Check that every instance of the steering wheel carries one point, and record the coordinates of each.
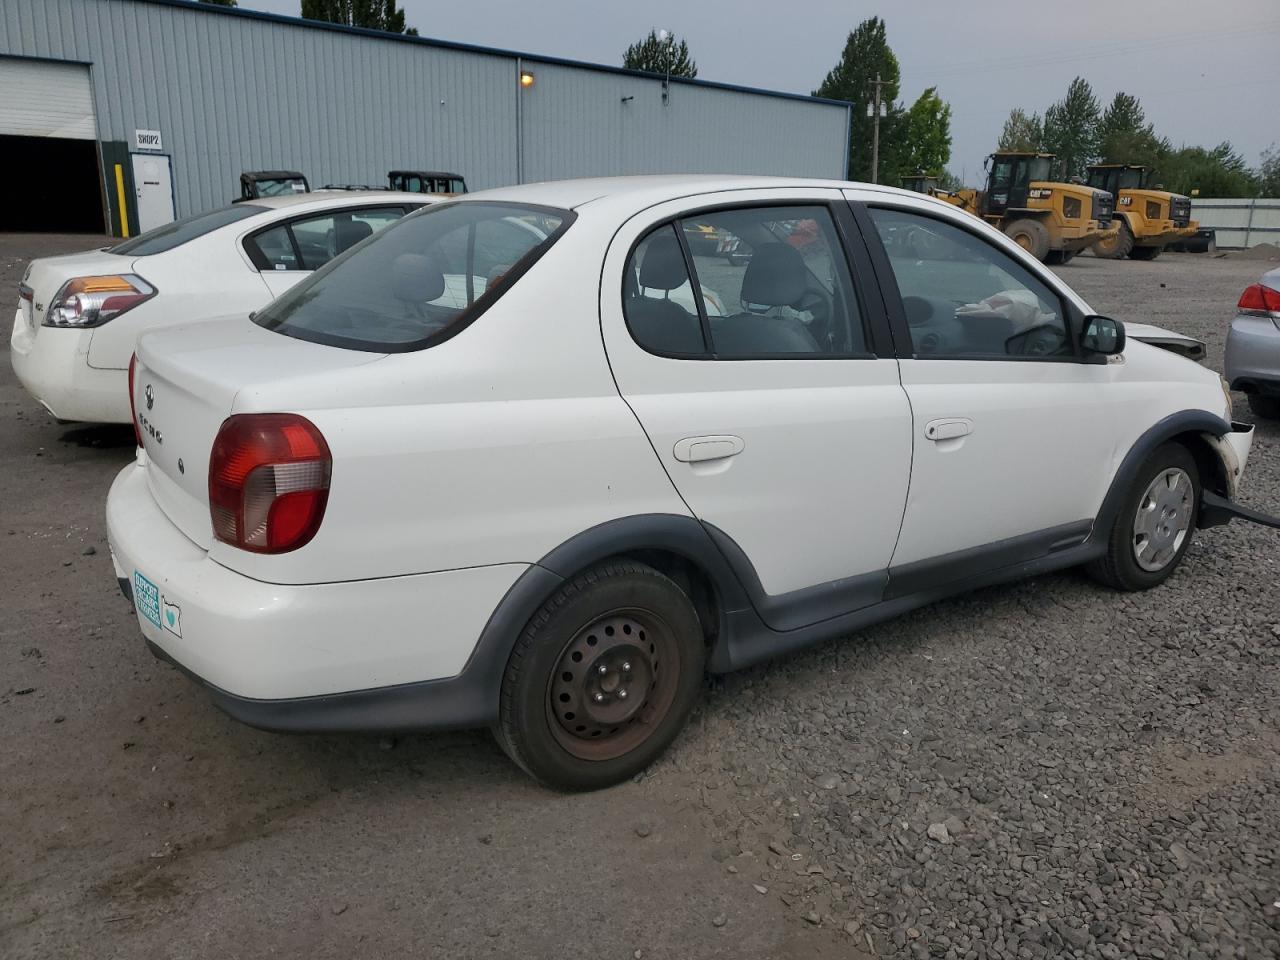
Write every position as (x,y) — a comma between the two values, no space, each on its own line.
(1043,340)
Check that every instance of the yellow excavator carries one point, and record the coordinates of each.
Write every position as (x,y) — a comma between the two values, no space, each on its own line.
(1149,219)
(1052,221)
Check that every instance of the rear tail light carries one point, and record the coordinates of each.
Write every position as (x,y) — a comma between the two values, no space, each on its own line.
(1260,300)
(90,301)
(133,406)
(268,482)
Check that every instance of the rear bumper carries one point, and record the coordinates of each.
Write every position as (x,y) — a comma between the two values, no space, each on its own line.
(1082,237)
(1252,359)
(385,654)
(1168,233)
(53,365)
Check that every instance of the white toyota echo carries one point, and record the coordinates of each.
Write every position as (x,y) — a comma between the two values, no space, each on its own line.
(529,460)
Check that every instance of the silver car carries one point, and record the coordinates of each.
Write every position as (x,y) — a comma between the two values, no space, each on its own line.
(1253,346)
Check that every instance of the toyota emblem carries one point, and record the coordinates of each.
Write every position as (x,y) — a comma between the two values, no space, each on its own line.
(151,397)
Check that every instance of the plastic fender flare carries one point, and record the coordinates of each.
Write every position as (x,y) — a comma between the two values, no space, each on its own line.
(1199,422)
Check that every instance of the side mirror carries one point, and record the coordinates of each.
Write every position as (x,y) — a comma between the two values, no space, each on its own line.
(1102,335)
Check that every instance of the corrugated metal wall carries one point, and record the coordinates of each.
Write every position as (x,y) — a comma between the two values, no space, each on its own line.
(231,93)
(1239,222)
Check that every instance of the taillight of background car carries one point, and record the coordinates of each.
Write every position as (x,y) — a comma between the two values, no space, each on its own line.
(1260,300)
(91,301)
(133,406)
(268,481)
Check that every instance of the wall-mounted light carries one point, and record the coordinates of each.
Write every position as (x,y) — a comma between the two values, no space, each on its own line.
(526,79)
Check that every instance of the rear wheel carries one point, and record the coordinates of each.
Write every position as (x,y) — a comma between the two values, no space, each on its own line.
(602,679)
(1115,246)
(1266,407)
(1145,253)
(1031,236)
(1157,518)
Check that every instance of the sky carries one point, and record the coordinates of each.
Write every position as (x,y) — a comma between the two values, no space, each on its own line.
(1204,71)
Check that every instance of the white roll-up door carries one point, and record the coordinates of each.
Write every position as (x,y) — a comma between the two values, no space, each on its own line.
(44,99)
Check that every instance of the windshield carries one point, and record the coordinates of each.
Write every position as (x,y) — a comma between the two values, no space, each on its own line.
(280,188)
(1131,180)
(1039,168)
(181,231)
(419,281)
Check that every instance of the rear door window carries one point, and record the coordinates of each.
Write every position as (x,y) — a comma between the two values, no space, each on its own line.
(308,243)
(421,281)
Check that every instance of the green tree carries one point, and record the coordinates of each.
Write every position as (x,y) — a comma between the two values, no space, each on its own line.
(925,145)
(866,54)
(1269,173)
(1220,172)
(1071,128)
(1022,132)
(1125,136)
(373,14)
(653,55)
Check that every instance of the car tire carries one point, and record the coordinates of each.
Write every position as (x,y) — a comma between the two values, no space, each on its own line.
(1266,407)
(602,678)
(1117,250)
(1145,253)
(1143,551)
(1031,235)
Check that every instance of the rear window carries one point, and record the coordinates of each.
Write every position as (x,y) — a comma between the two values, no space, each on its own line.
(420,280)
(182,231)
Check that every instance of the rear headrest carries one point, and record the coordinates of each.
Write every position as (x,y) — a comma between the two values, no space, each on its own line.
(663,265)
(416,279)
(347,233)
(775,277)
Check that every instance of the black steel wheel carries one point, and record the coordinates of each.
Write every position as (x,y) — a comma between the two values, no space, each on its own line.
(602,679)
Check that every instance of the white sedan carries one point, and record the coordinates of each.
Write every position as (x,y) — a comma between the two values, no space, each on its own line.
(79,315)
(508,465)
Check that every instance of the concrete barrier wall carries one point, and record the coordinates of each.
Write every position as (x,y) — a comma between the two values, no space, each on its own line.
(1239,222)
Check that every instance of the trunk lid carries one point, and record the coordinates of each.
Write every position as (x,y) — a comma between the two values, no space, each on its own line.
(46,276)
(185,385)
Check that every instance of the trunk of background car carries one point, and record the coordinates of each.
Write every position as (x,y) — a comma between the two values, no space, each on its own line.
(185,386)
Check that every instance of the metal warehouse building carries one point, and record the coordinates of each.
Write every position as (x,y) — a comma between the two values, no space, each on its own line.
(112,109)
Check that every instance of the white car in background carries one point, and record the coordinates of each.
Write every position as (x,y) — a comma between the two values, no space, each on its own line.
(79,315)
(507,465)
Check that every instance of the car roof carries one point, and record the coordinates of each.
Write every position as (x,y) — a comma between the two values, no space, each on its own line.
(647,190)
(337,198)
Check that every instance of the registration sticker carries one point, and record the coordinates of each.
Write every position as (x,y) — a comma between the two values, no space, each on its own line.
(146,597)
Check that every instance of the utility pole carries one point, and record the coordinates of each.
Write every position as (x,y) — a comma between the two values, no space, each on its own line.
(875,136)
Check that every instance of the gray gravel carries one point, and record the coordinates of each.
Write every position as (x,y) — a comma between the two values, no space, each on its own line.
(1046,769)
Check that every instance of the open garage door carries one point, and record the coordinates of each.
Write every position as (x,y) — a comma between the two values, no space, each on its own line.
(48,136)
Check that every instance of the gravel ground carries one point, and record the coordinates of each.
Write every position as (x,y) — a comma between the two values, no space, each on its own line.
(1045,769)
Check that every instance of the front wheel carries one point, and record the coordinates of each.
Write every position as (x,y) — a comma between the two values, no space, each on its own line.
(1031,235)
(602,679)
(1266,407)
(1115,246)
(1157,519)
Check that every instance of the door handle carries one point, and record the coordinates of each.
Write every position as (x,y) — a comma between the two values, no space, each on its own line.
(696,449)
(948,429)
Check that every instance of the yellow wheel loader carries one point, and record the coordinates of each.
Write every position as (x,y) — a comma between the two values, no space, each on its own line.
(1149,220)
(1052,221)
